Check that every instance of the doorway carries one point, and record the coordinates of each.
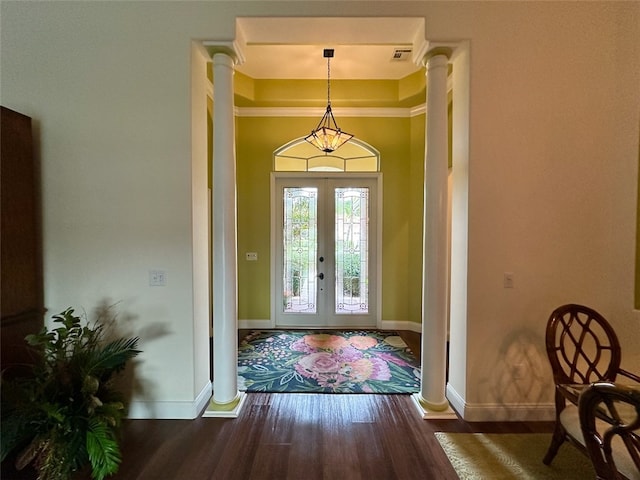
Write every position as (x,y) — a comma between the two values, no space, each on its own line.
(326,250)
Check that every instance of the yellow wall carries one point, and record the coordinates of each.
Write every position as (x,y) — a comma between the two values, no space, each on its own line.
(406,92)
(258,137)
(416,207)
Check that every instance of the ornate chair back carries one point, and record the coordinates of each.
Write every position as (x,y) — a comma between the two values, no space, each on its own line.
(582,348)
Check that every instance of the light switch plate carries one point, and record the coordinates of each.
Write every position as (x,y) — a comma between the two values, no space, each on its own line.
(157,278)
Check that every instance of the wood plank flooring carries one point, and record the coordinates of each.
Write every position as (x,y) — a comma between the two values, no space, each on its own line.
(297,436)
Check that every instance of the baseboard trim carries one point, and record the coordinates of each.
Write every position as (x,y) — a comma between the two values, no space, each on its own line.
(255,324)
(171,410)
(500,412)
(384,325)
(400,325)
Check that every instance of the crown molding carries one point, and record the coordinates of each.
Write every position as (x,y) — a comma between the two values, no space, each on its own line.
(338,112)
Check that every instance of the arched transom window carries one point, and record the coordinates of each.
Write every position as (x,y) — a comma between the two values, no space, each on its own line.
(300,156)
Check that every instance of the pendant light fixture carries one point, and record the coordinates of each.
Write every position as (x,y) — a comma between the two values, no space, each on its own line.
(327,136)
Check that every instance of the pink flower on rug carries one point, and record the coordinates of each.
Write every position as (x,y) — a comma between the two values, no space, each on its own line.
(370,369)
(361,370)
(380,370)
(324,341)
(331,380)
(362,343)
(387,357)
(300,346)
(350,354)
(316,364)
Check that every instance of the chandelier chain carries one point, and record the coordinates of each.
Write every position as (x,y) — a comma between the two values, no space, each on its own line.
(327,136)
(328,80)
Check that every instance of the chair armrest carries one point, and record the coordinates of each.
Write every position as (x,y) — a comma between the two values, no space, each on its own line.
(609,416)
(628,374)
(570,392)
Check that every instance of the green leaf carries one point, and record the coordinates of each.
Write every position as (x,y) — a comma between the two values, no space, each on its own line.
(114,355)
(53,411)
(103,450)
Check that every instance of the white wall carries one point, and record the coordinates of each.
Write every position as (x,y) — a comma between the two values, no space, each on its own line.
(552,180)
(109,85)
(553,164)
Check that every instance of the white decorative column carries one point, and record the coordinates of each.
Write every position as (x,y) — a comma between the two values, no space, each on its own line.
(226,401)
(431,400)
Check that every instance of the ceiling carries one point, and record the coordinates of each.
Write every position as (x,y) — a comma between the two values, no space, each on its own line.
(292,48)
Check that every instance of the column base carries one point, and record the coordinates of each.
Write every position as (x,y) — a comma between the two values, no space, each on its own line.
(429,413)
(226,410)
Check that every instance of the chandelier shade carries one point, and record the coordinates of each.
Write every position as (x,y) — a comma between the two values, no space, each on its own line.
(327,136)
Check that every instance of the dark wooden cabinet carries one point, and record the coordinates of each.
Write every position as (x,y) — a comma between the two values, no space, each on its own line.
(21,297)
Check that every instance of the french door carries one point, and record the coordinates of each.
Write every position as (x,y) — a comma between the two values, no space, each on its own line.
(326,272)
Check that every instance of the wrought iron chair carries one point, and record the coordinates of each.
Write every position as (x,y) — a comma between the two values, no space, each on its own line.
(610,424)
(582,348)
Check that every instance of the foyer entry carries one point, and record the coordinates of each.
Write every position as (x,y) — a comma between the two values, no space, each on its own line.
(326,250)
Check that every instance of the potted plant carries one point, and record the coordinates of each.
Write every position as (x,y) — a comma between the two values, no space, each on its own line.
(64,416)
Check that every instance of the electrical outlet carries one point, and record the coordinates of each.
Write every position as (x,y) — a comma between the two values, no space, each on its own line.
(251,256)
(507,280)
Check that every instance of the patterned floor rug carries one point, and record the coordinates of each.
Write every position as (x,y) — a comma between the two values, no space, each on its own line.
(509,456)
(321,361)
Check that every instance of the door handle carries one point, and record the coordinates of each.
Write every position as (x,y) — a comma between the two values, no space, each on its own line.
(321,276)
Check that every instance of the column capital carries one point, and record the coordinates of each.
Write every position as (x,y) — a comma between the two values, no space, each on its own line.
(231,49)
(437,51)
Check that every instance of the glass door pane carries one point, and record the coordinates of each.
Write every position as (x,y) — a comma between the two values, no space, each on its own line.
(300,234)
(325,263)
(351,250)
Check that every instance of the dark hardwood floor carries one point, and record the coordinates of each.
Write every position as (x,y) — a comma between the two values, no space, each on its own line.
(298,436)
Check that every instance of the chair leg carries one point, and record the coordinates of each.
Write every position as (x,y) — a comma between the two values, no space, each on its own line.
(558,438)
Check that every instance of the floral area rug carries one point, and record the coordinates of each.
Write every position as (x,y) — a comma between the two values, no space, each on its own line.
(312,361)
